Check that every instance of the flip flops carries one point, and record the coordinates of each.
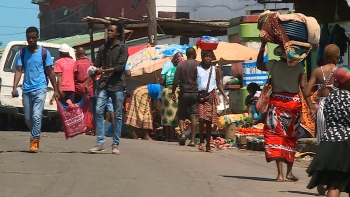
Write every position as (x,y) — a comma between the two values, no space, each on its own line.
(293,179)
(182,141)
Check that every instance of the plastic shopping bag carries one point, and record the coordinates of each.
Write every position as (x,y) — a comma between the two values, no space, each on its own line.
(72,118)
(88,118)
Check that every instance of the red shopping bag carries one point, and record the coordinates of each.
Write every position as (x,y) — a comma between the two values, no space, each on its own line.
(89,122)
(72,118)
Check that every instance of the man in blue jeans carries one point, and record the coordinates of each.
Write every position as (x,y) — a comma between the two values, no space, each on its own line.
(37,66)
(111,59)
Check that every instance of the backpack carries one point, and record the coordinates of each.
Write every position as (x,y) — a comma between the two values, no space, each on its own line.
(43,55)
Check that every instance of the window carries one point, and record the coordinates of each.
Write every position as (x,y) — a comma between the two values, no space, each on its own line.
(10,64)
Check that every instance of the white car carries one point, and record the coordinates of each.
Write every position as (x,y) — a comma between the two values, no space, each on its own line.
(9,105)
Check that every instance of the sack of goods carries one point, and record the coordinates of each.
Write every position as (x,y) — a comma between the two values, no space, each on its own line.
(208,43)
(295,32)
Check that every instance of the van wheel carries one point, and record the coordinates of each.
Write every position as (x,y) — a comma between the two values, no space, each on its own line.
(3,122)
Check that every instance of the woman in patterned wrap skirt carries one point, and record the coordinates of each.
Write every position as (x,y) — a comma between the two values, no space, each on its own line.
(323,77)
(169,107)
(284,113)
(207,110)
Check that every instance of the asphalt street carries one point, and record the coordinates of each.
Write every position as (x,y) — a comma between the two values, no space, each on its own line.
(143,169)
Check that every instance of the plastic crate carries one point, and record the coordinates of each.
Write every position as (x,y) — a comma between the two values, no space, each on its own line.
(251,74)
(296,31)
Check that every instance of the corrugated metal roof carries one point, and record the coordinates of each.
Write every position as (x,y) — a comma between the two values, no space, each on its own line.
(134,42)
(76,40)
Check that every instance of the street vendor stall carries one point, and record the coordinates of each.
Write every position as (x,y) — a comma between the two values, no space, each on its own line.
(146,64)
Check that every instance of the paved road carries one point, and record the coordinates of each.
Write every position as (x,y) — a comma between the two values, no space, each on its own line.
(143,169)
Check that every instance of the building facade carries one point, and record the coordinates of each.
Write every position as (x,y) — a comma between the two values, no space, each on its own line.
(62,18)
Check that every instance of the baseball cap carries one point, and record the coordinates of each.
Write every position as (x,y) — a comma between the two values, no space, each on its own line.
(64,48)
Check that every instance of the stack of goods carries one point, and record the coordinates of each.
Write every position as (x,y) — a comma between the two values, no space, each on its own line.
(208,43)
(249,130)
(295,32)
(231,83)
(226,120)
(221,143)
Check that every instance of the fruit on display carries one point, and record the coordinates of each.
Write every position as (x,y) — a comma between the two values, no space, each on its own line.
(250,131)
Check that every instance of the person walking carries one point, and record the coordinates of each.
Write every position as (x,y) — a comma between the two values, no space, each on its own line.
(208,80)
(186,75)
(82,81)
(64,69)
(331,165)
(111,59)
(169,107)
(36,63)
(284,113)
(323,77)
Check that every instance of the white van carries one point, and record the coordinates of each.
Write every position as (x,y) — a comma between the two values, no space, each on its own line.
(9,105)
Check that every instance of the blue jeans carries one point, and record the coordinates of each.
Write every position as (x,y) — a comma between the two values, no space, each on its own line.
(33,107)
(101,102)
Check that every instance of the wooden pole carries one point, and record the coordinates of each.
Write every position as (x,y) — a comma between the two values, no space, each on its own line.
(152,22)
(123,33)
(91,26)
(106,32)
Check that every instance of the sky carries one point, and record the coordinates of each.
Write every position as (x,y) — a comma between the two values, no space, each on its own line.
(16,17)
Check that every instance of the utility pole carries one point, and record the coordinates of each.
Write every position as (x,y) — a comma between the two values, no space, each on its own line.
(152,22)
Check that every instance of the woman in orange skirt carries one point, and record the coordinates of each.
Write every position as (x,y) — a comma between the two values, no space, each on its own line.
(284,113)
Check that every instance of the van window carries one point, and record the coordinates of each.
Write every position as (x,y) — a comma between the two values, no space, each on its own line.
(11,61)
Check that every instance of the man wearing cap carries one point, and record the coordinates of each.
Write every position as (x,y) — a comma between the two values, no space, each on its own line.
(64,69)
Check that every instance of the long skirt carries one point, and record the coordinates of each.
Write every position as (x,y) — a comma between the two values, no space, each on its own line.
(282,126)
(169,107)
(321,123)
(208,110)
(331,164)
(139,114)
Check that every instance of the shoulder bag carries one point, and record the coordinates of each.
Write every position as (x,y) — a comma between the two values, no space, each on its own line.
(263,102)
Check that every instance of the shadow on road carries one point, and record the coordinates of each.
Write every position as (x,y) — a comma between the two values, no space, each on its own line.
(24,151)
(249,178)
(301,193)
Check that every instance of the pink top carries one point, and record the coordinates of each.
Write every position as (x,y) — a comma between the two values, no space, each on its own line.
(81,75)
(66,67)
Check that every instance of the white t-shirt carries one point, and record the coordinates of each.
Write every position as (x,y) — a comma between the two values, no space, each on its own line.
(203,77)
(284,78)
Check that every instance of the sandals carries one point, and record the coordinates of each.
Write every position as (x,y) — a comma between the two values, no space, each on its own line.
(201,147)
(191,145)
(182,141)
(279,180)
(321,190)
(208,149)
(292,179)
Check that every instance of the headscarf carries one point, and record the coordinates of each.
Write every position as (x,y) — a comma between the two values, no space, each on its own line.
(179,59)
(342,75)
(211,52)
